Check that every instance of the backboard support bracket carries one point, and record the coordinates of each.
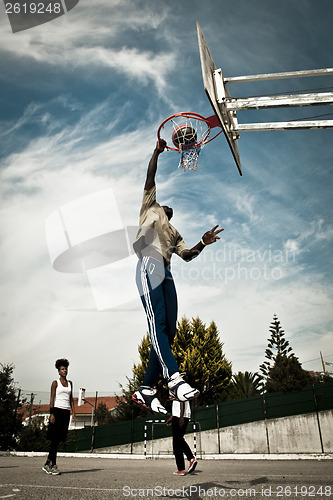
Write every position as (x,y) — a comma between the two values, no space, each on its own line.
(225,107)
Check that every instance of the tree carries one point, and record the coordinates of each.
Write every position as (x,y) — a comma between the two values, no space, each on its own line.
(244,385)
(139,369)
(198,352)
(102,414)
(286,375)
(282,371)
(277,343)
(10,421)
(33,437)
(126,409)
(320,378)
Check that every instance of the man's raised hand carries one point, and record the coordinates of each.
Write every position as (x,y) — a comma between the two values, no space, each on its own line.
(211,236)
(160,145)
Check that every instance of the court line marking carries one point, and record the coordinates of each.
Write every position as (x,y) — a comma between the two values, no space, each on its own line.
(56,487)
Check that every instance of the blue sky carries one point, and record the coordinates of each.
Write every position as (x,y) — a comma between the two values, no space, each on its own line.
(81,99)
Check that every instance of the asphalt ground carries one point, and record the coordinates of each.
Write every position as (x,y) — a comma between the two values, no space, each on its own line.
(21,478)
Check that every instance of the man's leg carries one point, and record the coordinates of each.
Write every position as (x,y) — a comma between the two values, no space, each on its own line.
(150,277)
(155,300)
(179,389)
(153,370)
(158,295)
(171,302)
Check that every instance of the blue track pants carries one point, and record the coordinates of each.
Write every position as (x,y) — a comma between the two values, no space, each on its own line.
(159,298)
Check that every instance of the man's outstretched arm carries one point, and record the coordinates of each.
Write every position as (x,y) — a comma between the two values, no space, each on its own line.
(152,166)
(208,238)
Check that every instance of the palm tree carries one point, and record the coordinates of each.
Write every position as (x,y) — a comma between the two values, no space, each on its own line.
(244,385)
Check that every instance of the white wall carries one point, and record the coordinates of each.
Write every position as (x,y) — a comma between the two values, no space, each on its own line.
(296,434)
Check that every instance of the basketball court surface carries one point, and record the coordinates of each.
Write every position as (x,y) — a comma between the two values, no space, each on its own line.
(21,478)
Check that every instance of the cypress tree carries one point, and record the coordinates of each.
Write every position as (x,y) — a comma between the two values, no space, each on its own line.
(282,370)
(10,421)
(204,362)
(277,344)
(286,375)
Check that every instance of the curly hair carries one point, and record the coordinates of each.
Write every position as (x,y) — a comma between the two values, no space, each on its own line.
(61,362)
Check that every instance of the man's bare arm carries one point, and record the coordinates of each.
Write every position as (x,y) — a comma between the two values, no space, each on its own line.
(208,238)
(152,166)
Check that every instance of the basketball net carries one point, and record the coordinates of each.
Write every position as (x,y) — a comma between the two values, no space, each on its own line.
(189,132)
(189,157)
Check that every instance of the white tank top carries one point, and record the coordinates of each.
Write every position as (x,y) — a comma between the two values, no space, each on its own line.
(63,396)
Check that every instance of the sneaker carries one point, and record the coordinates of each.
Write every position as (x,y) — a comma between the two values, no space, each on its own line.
(181,390)
(146,396)
(54,470)
(179,473)
(47,468)
(192,466)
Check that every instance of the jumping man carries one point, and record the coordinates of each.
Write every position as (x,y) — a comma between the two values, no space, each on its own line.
(156,241)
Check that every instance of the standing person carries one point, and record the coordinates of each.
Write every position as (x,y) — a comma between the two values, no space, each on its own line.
(181,414)
(60,405)
(156,241)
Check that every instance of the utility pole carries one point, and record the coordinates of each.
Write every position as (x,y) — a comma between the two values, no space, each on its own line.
(95,405)
(93,412)
(323,363)
(93,424)
(17,402)
(32,395)
(16,409)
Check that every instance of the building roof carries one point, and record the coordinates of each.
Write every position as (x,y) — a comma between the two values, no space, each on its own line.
(109,401)
(85,409)
(24,411)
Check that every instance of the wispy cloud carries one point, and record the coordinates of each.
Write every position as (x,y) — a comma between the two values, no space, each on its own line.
(316,233)
(85,42)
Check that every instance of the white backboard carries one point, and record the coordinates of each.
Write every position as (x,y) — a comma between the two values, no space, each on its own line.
(215,89)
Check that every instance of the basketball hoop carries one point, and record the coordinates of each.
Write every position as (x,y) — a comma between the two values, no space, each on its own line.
(189,132)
